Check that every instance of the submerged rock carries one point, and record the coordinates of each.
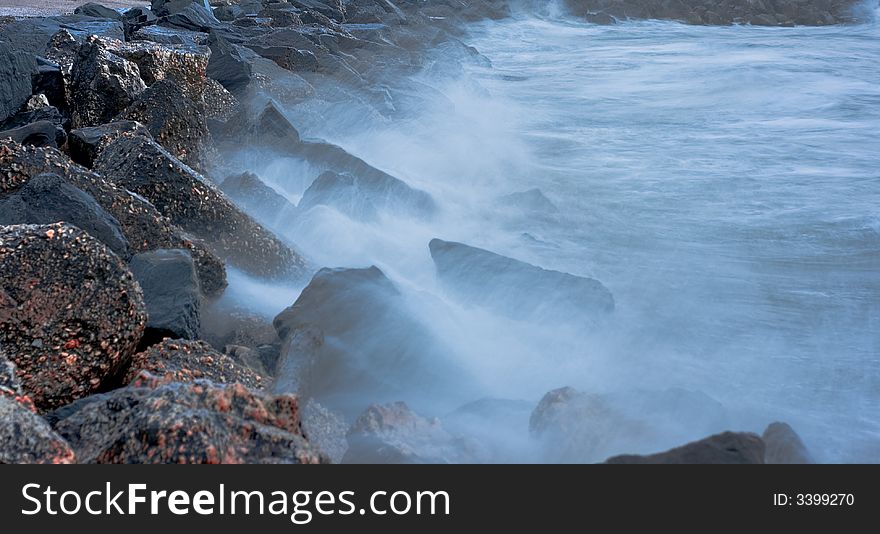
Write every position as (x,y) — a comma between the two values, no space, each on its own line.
(724,448)
(517,289)
(198,206)
(155,421)
(71,314)
(784,446)
(172,296)
(47,198)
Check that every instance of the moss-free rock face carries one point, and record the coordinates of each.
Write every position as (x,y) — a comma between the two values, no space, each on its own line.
(102,84)
(724,448)
(71,315)
(156,421)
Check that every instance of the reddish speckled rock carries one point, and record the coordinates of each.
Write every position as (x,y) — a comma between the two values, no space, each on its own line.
(180,360)
(71,315)
(25,437)
(156,421)
(144,227)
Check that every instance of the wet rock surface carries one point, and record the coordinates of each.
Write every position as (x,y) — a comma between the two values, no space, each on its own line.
(156,421)
(172,294)
(181,360)
(724,448)
(71,314)
(104,84)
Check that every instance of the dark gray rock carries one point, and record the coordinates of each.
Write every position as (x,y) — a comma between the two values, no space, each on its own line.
(137,18)
(197,206)
(16,68)
(230,64)
(194,17)
(171,294)
(724,448)
(102,84)
(71,314)
(256,198)
(47,198)
(92,9)
(32,34)
(39,133)
(84,144)
(48,80)
(517,289)
(366,197)
(784,446)
(36,114)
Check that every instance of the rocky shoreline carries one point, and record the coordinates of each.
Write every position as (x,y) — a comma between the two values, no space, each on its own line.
(123,202)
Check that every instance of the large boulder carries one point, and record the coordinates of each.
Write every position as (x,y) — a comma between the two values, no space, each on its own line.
(16,68)
(784,446)
(394,434)
(181,360)
(574,427)
(367,197)
(198,206)
(156,421)
(143,226)
(173,119)
(517,289)
(39,133)
(102,84)
(724,448)
(351,339)
(32,34)
(231,65)
(172,296)
(256,198)
(71,315)
(25,437)
(91,9)
(182,64)
(84,144)
(47,199)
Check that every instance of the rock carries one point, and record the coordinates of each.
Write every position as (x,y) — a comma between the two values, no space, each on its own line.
(351,336)
(325,430)
(517,289)
(84,144)
(190,201)
(230,64)
(532,200)
(224,325)
(256,198)
(47,198)
(227,13)
(102,84)
(366,197)
(136,18)
(25,437)
(40,133)
(269,129)
(170,36)
(574,427)
(247,357)
(219,103)
(784,446)
(180,360)
(48,80)
(194,17)
(71,313)
(16,68)
(290,50)
(98,11)
(394,434)
(32,34)
(143,226)
(173,120)
(171,294)
(154,421)
(724,448)
(184,65)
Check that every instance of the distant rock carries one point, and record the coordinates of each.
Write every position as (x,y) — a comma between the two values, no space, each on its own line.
(724,448)
(181,360)
(197,206)
(47,199)
(154,421)
(784,446)
(366,197)
(394,434)
(172,295)
(91,9)
(517,289)
(71,314)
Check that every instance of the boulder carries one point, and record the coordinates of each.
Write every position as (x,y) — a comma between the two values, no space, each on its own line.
(230,64)
(32,34)
(154,421)
(47,198)
(170,36)
(143,226)
(98,11)
(351,336)
(517,289)
(366,197)
(224,325)
(724,448)
(16,68)
(574,427)
(135,18)
(194,17)
(325,430)
(185,65)
(102,84)
(394,434)
(784,446)
(170,284)
(256,198)
(38,113)
(190,201)
(40,133)
(25,437)
(219,104)
(49,80)
(173,119)
(180,360)
(71,314)
(84,144)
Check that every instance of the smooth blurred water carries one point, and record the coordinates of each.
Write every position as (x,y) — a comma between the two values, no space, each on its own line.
(724,182)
